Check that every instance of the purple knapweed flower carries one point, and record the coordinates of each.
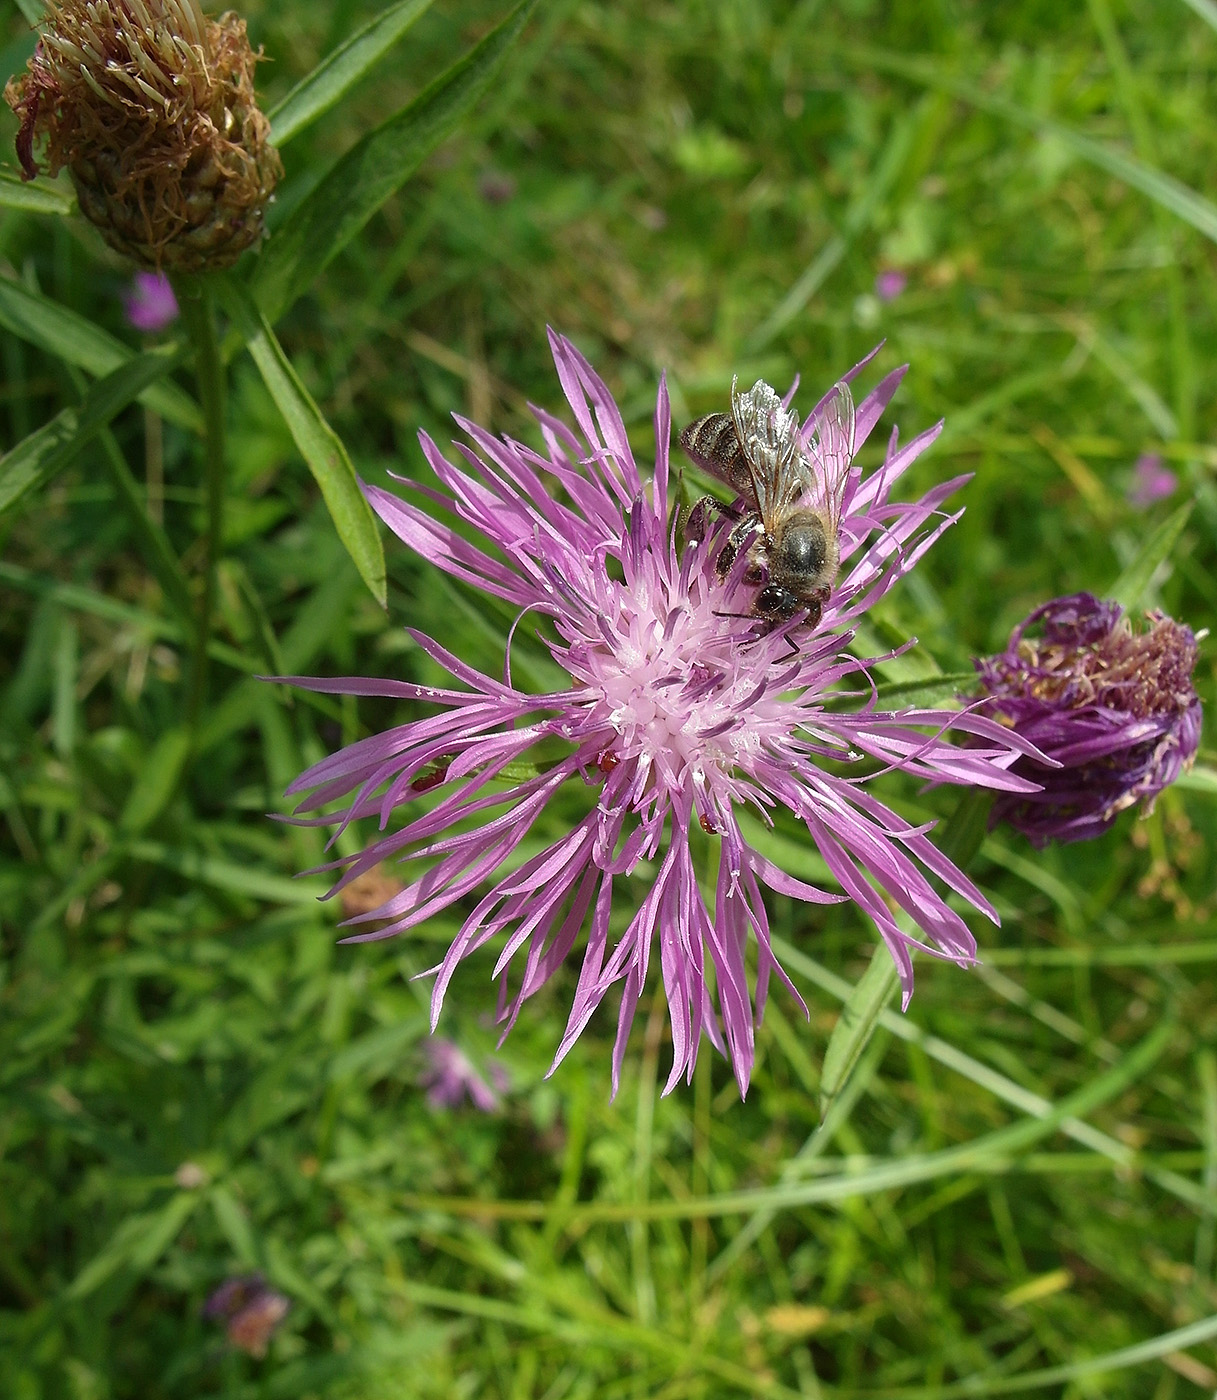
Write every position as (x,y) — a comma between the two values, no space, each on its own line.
(890,283)
(450,1075)
(249,1310)
(681,710)
(149,303)
(1116,709)
(1152,481)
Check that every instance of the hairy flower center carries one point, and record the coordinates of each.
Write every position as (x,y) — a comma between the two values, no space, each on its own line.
(673,683)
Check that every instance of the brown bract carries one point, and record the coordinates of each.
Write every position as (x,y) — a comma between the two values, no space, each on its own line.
(151,108)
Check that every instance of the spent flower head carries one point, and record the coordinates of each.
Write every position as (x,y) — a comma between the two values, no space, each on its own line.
(250,1311)
(151,107)
(1116,709)
(681,715)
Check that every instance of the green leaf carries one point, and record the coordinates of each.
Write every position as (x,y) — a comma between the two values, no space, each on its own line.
(138,1242)
(47,451)
(156,783)
(38,196)
(319,444)
(958,839)
(77,341)
(856,1024)
(336,74)
(374,169)
(926,690)
(1129,588)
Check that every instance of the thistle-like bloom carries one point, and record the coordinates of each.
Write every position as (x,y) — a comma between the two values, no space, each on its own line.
(151,107)
(681,713)
(1116,709)
(149,303)
(450,1075)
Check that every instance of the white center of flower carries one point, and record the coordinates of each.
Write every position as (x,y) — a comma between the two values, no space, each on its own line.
(677,686)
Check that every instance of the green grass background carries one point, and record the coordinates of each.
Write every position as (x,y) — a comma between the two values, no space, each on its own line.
(708,188)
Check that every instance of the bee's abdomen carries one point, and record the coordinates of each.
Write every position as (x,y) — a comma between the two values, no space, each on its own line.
(714,445)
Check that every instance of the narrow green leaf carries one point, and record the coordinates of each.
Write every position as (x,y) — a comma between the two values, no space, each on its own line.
(31,9)
(37,196)
(46,452)
(336,74)
(138,1242)
(856,1024)
(319,444)
(1129,588)
(374,169)
(226,874)
(958,839)
(77,341)
(156,782)
(234,1222)
(926,690)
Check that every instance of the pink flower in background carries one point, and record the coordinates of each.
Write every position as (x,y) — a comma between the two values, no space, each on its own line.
(680,714)
(1152,480)
(450,1075)
(149,303)
(890,283)
(249,1310)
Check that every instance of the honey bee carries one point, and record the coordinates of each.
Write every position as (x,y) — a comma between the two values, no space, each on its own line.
(792,495)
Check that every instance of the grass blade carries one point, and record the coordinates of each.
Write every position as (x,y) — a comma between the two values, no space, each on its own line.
(1130,587)
(47,451)
(77,341)
(959,840)
(336,74)
(375,169)
(319,444)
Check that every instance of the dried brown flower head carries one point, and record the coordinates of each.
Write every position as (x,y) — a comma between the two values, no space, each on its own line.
(151,108)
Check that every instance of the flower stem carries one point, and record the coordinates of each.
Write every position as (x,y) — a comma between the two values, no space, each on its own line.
(198,317)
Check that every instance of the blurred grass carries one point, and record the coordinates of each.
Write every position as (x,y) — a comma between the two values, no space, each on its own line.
(706,188)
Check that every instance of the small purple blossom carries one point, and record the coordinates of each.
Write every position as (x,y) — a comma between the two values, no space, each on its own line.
(450,1075)
(1116,709)
(149,303)
(249,1310)
(681,712)
(1152,481)
(890,283)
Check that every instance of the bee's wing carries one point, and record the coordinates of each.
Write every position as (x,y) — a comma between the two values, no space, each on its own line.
(831,450)
(713,444)
(769,438)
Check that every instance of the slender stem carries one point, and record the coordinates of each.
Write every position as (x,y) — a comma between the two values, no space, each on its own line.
(154,543)
(198,317)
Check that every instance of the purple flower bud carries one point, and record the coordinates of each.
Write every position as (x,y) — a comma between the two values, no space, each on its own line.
(149,303)
(1115,708)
